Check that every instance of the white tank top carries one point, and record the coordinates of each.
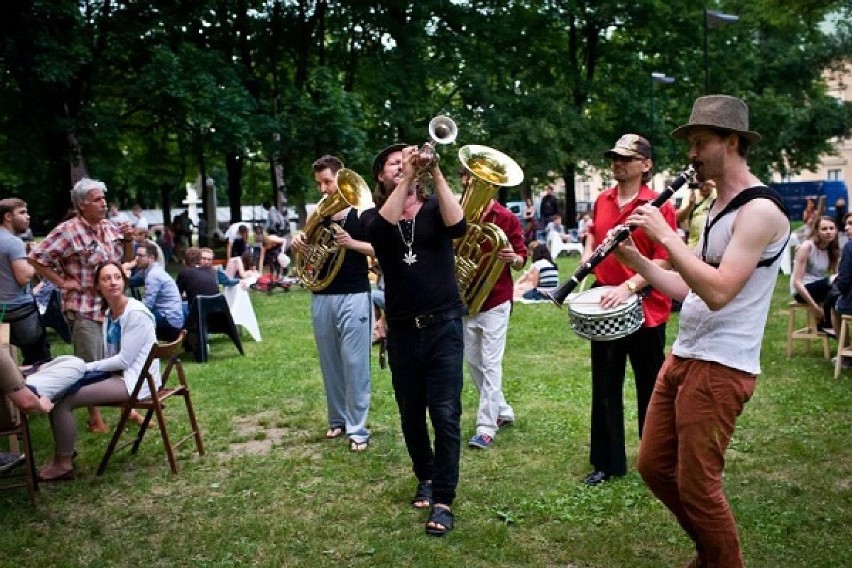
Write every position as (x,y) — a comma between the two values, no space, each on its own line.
(730,336)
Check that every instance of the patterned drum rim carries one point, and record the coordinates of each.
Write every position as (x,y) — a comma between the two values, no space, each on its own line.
(605,324)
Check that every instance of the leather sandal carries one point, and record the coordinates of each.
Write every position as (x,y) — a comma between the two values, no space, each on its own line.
(441,521)
(423,495)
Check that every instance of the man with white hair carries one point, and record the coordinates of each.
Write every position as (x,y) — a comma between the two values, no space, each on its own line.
(68,257)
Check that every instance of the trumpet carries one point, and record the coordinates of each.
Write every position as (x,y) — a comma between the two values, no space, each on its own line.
(442,130)
(616,237)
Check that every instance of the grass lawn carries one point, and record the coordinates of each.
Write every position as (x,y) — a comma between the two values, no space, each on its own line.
(271,491)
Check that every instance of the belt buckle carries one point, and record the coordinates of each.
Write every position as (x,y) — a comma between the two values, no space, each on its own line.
(420,321)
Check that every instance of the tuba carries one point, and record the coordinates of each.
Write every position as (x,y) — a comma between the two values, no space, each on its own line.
(477,264)
(317,268)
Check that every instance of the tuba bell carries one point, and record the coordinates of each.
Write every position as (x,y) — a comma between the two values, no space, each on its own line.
(477,264)
(317,268)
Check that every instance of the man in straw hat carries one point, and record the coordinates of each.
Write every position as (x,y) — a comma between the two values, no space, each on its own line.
(412,234)
(726,287)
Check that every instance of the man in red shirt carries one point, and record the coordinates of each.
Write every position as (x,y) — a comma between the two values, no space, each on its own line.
(631,167)
(485,332)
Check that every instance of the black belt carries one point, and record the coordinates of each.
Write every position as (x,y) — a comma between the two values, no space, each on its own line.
(426,320)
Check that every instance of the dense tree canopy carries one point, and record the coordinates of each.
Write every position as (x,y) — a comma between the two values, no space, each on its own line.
(148,95)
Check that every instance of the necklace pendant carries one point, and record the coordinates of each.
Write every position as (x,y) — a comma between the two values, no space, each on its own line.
(409,258)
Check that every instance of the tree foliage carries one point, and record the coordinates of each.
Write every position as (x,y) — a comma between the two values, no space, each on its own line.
(146,94)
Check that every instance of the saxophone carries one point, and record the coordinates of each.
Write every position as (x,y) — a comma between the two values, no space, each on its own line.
(477,264)
(318,267)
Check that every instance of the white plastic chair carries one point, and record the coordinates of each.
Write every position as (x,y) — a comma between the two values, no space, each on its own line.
(555,245)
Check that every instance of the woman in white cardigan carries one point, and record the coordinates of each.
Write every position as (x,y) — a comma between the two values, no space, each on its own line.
(129,333)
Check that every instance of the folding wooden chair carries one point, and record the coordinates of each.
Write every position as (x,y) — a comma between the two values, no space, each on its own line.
(17,427)
(154,405)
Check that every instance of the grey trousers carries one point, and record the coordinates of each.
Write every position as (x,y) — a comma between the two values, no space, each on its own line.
(342,330)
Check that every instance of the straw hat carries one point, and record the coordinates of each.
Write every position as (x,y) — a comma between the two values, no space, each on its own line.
(718,111)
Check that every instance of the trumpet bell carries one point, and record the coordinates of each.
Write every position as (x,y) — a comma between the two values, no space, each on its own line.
(490,165)
(443,129)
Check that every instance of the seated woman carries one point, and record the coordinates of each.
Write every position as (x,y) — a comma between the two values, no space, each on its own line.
(543,276)
(129,333)
(241,267)
(840,301)
(816,259)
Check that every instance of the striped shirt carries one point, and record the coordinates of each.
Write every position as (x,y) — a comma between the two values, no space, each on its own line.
(548,274)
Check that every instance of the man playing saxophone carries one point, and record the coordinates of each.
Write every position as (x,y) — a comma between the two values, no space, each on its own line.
(341,315)
(412,234)
(485,331)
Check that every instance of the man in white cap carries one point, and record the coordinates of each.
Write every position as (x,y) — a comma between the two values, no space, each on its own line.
(726,287)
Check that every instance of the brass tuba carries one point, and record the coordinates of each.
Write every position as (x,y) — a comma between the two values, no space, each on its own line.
(317,268)
(477,264)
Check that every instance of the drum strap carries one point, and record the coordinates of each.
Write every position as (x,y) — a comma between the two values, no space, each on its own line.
(756,192)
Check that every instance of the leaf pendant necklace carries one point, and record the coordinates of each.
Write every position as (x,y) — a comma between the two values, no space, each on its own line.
(408,258)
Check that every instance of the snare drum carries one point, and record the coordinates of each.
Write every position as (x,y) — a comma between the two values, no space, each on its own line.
(590,320)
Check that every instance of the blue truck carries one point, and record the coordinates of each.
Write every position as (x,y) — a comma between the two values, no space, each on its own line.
(795,193)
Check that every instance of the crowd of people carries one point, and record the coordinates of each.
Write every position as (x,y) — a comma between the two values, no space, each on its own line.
(721,269)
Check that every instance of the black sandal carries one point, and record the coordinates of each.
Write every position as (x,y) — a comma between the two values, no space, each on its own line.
(424,494)
(443,520)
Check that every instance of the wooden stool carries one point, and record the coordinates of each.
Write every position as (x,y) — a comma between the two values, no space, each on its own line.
(807,333)
(843,350)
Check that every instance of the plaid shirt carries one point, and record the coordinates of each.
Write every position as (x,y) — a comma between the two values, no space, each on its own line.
(75,248)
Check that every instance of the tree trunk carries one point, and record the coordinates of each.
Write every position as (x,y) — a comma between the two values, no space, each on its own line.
(570,218)
(234,164)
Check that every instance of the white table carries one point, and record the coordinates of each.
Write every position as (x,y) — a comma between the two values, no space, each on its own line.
(242,310)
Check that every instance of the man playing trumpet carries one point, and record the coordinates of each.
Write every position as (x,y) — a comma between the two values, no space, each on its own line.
(412,235)
(341,316)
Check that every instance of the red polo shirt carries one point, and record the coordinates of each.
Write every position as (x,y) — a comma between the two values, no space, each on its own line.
(506,220)
(610,272)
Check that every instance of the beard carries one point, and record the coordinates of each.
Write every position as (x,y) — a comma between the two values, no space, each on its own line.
(20,226)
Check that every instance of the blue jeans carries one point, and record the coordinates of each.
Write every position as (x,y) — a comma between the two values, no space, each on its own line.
(426,366)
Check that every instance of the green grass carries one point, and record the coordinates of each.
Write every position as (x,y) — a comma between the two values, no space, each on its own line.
(271,491)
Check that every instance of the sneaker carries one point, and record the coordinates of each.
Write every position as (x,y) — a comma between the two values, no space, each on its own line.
(9,460)
(503,422)
(481,441)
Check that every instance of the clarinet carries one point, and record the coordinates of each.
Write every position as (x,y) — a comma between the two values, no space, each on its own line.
(617,236)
